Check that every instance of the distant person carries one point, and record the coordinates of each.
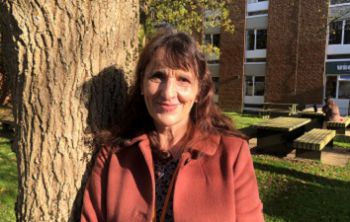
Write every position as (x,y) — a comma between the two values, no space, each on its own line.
(331,110)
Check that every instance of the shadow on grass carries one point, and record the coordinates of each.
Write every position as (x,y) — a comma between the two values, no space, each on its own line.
(291,195)
(6,134)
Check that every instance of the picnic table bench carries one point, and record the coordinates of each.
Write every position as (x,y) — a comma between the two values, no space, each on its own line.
(315,139)
(275,136)
(318,144)
(340,127)
(280,109)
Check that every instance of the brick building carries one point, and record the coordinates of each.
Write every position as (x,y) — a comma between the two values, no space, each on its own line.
(283,51)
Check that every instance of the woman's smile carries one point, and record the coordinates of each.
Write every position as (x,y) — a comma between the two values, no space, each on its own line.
(167,107)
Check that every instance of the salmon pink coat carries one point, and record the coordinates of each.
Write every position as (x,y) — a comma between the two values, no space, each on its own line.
(218,185)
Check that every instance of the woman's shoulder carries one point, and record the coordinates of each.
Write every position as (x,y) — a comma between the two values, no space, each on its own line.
(233,144)
(233,141)
(119,144)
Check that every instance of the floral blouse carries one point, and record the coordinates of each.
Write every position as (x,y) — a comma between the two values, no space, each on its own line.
(164,168)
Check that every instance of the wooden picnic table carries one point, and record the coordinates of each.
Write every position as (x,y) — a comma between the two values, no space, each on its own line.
(276,135)
(317,118)
(272,108)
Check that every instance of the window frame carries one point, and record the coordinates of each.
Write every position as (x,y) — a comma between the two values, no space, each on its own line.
(253,84)
(338,81)
(330,3)
(255,39)
(212,39)
(344,23)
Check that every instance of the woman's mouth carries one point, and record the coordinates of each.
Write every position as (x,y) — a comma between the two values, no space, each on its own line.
(167,107)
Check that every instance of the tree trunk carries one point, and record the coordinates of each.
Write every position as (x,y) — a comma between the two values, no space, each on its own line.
(71,64)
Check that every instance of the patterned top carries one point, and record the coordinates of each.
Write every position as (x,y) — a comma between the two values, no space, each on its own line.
(164,168)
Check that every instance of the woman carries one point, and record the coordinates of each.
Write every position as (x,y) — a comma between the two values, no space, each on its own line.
(331,111)
(175,157)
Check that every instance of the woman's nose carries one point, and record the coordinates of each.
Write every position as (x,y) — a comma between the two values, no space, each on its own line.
(168,89)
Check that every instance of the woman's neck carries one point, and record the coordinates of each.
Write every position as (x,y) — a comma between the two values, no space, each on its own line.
(170,136)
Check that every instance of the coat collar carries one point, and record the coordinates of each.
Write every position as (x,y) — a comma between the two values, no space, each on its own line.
(203,142)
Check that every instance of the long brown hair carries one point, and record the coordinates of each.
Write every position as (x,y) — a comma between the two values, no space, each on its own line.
(181,52)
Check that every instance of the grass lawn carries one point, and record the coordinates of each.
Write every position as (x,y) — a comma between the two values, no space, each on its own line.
(290,190)
(242,121)
(300,190)
(8,181)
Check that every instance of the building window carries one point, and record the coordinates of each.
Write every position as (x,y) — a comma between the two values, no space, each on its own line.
(331,86)
(255,13)
(261,37)
(339,56)
(347,32)
(254,85)
(256,39)
(253,60)
(338,86)
(339,32)
(213,39)
(344,87)
(249,89)
(250,39)
(336,2)
(259,86)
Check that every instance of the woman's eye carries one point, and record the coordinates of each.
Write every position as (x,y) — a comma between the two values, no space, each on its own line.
(157,76)
(184,79)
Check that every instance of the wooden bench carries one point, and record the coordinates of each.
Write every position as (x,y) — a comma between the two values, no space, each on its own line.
(279,109)
(340,127)
(311,143)
(276,136)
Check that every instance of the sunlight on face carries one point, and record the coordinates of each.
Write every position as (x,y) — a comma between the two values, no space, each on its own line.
(169,93)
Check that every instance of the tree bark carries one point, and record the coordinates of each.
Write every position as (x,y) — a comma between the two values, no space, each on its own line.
(71,63)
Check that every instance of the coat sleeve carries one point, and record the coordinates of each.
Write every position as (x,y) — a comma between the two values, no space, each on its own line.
(94,209)
(248,204)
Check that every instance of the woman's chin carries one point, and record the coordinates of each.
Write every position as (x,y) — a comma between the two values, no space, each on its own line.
(167,120)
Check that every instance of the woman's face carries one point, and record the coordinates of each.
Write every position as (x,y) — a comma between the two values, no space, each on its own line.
(169,93)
